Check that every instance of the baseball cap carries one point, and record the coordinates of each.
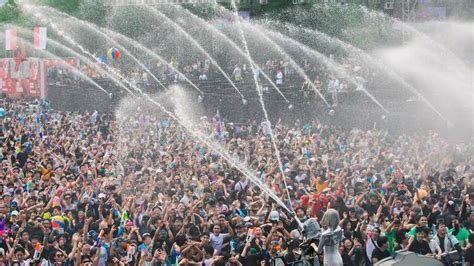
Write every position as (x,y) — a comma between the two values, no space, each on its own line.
(274,216)
(15,213)
(239,226)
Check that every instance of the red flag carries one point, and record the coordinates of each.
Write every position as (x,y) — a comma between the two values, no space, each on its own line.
(10,39)
(40,37)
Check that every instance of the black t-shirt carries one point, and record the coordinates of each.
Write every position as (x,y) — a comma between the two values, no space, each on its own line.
(420,247)
(441,240)
(353,223)
(251,260)
(371,209)
(346,259)
(470,255)
(379,254)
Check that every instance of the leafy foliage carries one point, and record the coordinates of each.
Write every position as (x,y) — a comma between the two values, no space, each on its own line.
(331,19)
(206,11)
(94,11)
(68,6)
(10,12)
(131,22)
(351,23)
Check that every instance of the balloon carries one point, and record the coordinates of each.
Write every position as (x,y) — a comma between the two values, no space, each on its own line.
(113,54)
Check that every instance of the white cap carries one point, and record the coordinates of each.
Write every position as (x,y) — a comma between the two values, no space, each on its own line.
(274,216)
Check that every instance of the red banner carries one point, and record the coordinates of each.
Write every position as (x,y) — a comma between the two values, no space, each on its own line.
(29,78)
(15,78)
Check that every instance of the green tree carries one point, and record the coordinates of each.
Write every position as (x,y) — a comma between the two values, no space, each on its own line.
(10,12)
(68,6)
(350,23)
(94,11)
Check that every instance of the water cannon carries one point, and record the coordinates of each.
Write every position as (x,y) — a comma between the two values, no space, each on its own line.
(250,235)
(130,252)
(38,251)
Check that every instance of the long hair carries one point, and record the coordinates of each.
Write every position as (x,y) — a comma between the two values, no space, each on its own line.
(330,218)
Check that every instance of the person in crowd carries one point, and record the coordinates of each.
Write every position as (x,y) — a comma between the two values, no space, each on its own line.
(469,259)
(446,241)
(381,251)
(420,245)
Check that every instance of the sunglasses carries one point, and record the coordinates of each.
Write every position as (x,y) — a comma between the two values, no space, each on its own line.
(59,255)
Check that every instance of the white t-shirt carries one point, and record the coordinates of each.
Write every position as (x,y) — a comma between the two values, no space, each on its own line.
(216,242)
(370,246)
(239,186)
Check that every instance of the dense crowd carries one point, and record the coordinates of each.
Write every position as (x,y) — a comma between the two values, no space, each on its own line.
(93,189)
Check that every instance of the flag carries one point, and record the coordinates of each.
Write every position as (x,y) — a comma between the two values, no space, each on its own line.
(10,39)
(103,59)
(40,37)
(2,227)
(123,219)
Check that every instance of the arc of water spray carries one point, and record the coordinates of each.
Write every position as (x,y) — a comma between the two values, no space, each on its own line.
(428,39)
(197,135)
(85,59)
(154,55)
(129,41)
(83,50)
(262,103)
(204,139)
(224,155)
(339,70)
(74,43)
(121,47)
(235,46)
(197,45)
(377,63)
(298,68)
(74,69)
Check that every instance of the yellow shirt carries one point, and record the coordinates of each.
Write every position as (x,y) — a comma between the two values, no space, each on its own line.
(422,193)
(320,186)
